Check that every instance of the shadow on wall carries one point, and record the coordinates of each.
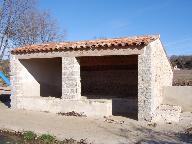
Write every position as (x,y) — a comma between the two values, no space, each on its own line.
(48,73)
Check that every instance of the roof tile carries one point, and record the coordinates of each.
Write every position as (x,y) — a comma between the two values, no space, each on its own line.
(99,43)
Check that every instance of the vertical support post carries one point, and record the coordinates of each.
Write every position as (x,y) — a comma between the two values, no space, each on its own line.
(71,86)
(145,86)
(16,80)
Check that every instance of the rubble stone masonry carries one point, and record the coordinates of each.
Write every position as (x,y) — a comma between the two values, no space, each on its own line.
(71,85)
(154,73)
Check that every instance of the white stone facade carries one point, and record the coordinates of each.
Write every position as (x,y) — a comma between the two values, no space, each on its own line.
(154,72)
(71,85)
(16,80)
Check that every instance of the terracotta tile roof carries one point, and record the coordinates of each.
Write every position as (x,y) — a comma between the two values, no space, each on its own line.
(79,45)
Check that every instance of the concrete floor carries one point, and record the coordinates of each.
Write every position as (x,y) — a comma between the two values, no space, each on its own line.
(113,130)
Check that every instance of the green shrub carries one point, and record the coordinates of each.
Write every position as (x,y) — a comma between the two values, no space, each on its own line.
(47,138)
(29,135)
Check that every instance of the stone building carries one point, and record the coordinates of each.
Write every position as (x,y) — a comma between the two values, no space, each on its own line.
(122,76)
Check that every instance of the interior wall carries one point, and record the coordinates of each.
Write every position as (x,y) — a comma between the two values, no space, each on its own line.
(109,76)
(44,74)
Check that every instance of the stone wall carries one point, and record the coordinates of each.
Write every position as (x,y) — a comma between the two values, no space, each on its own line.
(144,85)
(154,72)
(109,77)
(96,108)
(16,80)
(178,95)
(167,114)
(162,74)
(71,85)
(109,84)
(35,77)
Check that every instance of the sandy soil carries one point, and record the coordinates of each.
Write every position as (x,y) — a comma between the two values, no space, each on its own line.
(113,130)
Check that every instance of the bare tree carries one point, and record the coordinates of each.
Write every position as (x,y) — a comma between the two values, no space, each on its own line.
(21,23)
(35,27)
(10,13)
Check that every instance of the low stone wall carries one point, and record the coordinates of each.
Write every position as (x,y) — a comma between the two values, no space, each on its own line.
(54,105)
(89,107)
(167,114)
(178,95)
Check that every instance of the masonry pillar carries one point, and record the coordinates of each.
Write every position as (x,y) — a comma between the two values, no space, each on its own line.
(16,80)
(145,86)
(71,86)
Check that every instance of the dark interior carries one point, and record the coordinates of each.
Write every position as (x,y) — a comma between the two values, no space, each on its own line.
(111,77)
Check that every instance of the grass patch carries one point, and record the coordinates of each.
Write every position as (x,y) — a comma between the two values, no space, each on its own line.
(29,135)
(47,138)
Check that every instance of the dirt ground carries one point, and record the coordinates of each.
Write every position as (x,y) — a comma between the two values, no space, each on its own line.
(182,77)
(112,130)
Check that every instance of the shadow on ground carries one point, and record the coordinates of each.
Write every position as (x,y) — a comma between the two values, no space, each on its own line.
(142,135)
(5,99)
(165,138)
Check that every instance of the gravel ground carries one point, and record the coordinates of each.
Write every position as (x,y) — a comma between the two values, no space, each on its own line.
(107,130)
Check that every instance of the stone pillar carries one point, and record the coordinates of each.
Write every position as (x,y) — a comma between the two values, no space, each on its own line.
(145,86)
(16,80)
(71,85)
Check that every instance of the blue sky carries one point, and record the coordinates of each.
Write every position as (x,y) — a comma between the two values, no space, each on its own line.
(90,19)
